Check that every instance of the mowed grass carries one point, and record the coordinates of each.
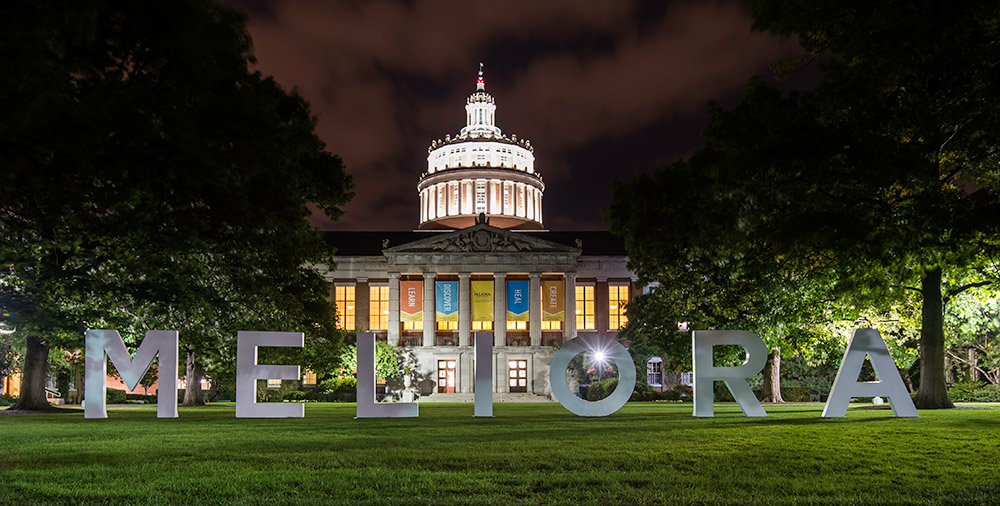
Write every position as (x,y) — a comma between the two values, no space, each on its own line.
(646,453)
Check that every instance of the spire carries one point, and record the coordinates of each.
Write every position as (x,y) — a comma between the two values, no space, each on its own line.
(480,83)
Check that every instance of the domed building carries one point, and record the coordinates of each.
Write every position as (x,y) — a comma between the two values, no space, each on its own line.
(480,261)
(480,171)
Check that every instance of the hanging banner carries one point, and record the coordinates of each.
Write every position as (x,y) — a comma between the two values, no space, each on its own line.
(411,301)
(447,300)
(517,300)
(482,301)
(553,300)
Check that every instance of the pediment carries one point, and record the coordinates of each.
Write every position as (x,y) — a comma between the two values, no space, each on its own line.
(481,238)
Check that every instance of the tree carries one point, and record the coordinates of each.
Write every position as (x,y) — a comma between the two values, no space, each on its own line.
(146,162)
(912,89)
(389,361)
(886,174)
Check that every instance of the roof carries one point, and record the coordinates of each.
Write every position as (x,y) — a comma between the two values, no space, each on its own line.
(367,243)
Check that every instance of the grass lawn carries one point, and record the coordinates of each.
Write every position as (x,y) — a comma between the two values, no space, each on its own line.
(646,453)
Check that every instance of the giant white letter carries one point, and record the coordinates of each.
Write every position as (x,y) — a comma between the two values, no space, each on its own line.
(611,349)
(101,344)
(706,374)
(484,375)
(248,372)
(868,342)
(367,407)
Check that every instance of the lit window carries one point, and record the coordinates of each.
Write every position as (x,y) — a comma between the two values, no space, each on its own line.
(511,325)
(547,325)
(274,384)
(654,371)
(344,296)
(309,378)
(446,376)
(482,325)
(447,325)
(413,325)
(517,375)
(617,299)
(585,307)
(378,308)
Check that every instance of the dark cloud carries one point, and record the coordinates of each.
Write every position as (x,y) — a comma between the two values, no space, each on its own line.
(601,88)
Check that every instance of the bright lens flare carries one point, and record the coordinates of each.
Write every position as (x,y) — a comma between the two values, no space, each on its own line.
(599,356)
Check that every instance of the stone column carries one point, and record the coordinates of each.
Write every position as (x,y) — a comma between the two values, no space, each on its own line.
(465,376)
(602,316)
(499,309)
(392,334)
(569,325)
(535,309)
(429,308)
(362,299)
(464,309)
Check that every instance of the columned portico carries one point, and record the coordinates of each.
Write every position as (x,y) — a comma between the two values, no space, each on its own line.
(499,309)
(535,309)
(392,334)
(464,309)
(429,308)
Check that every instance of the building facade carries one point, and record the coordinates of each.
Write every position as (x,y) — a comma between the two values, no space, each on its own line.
(480,261)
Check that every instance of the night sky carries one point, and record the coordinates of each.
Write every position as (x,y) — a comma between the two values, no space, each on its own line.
(602,89)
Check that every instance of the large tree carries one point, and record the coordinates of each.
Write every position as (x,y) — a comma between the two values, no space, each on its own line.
(142,157)
(888,170)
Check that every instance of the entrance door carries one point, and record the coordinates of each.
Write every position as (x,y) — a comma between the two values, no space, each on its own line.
(446,376)
(517,373)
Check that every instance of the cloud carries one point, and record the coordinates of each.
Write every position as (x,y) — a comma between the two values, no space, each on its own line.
(385,78)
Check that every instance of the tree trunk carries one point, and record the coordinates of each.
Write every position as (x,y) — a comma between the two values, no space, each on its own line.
(772,377)
(192,376)
(932,392)
(34,377)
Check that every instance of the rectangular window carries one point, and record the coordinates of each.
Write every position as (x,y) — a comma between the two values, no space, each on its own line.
(654,372)
(517,325)
(378,308)
(344,297)
(413,325)
(447,325)
(585,307)
(480,197)
(617,299)
(274,384)
(446,376)
(308,378)
(517,375)
(482,325)
(548,325)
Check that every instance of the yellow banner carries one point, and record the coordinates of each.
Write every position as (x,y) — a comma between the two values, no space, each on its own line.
(482,301)
(553,300)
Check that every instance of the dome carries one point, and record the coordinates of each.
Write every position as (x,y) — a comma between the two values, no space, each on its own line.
(480,171)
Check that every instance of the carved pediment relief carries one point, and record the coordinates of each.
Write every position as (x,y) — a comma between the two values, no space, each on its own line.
(482,238)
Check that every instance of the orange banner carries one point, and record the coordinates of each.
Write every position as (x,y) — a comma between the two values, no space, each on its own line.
(411,301)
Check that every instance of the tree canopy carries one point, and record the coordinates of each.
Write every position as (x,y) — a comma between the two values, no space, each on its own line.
(884,177)
(150,169)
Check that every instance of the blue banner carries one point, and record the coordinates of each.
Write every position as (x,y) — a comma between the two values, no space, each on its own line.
(446,300)
(517,300)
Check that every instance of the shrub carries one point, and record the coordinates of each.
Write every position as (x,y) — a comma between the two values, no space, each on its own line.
(294,395)
(149,399)
(116,396)
(974,392)
(6,400)
(796,394)
(338,389)
(601,389)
